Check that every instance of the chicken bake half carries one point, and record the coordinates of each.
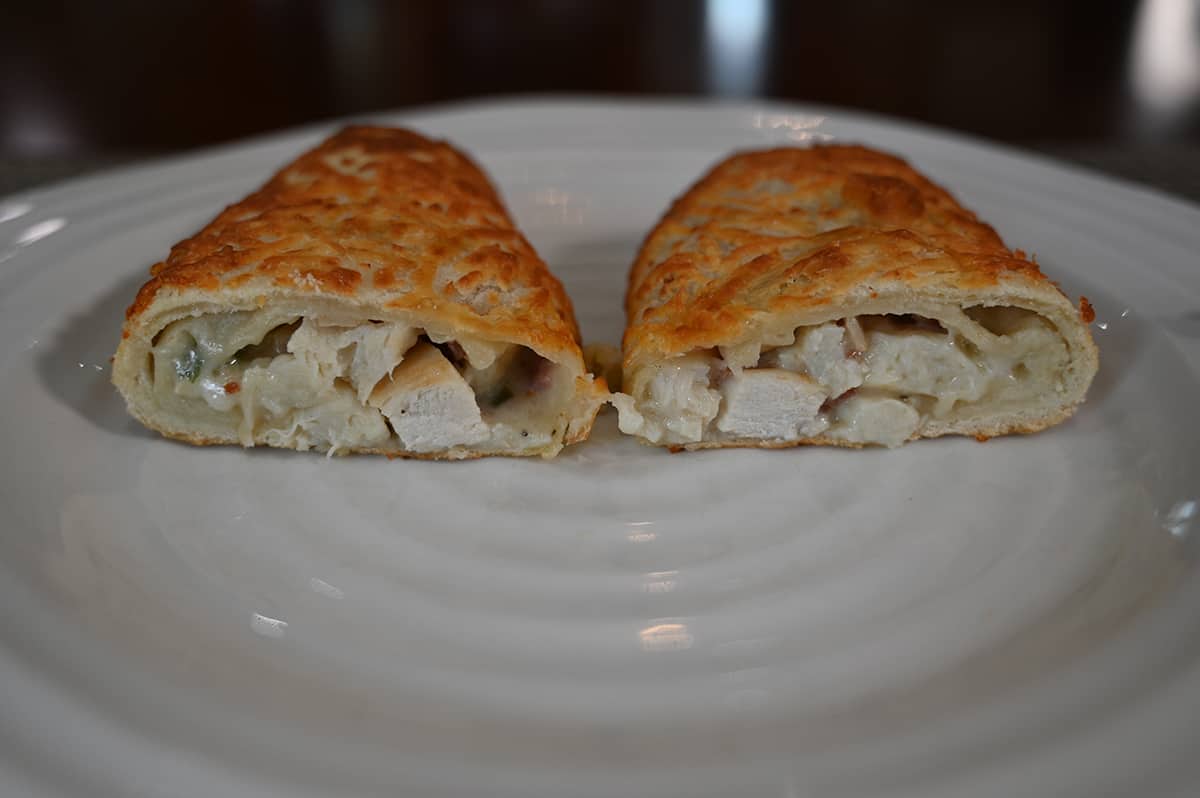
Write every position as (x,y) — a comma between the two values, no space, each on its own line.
(834,295)
(373,296)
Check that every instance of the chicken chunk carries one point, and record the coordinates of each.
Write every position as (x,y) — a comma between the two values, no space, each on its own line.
(926,363)
(429,404)
(338,422)
(874,419)
(364,354)
(301,406)
(820,352)
(771,404)
(678,406)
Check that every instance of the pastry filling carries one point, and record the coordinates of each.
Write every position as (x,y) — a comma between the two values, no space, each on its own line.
(383,385)
(878,379)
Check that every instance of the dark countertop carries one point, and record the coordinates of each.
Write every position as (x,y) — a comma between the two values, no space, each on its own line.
(97,84)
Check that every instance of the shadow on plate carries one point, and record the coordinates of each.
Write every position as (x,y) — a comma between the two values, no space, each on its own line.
(75,367)
(1185,324)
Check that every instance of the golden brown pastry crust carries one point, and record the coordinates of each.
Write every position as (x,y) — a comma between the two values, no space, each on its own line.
(770,240)
(376,220)
(420,228)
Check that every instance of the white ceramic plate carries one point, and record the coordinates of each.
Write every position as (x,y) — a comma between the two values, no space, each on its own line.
(1020,617)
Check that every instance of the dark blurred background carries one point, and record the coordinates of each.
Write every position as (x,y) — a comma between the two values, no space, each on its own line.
(1112,84)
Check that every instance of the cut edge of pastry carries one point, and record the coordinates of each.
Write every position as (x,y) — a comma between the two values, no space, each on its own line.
(312,374)
(879,372)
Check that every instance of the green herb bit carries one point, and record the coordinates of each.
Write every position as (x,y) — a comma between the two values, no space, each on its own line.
(187,366)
